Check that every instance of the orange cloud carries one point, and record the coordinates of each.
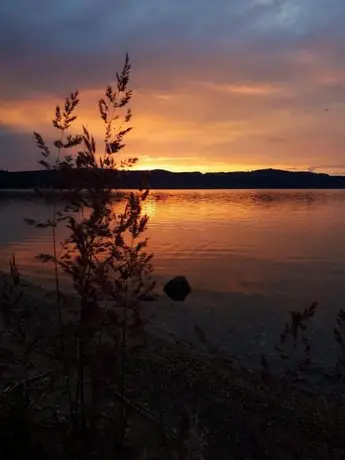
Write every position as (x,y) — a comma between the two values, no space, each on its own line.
(331,77)
(24,115)
(248,89)
(206,126)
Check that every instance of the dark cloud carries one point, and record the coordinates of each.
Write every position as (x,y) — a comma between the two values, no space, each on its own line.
(17,150)
(81,41)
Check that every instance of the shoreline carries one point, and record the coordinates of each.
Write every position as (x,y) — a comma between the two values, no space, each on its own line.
(231,323)
(239,414)
(242,326)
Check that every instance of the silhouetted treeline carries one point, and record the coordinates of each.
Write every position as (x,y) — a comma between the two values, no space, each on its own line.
(160,179)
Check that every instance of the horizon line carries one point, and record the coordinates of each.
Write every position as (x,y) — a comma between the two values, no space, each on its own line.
(201,172)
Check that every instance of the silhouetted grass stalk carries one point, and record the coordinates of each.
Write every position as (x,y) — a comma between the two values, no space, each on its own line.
(104,269)
(56,267)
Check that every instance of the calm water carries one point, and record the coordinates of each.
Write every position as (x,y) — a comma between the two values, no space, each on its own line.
(250,256)
(289,243)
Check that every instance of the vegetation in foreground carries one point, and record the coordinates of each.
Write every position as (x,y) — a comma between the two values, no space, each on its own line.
(90,382)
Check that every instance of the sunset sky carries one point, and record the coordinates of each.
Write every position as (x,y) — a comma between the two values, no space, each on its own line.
(218,85)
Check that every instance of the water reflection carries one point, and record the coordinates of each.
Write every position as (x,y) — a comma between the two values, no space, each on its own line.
(278,242)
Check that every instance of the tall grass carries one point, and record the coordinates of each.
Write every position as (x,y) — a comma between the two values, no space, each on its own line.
(104,255)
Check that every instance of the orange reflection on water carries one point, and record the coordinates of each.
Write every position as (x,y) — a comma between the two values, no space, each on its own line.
(249,241)
(243,240)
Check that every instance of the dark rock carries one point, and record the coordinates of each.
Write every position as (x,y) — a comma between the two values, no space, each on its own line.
(177,288)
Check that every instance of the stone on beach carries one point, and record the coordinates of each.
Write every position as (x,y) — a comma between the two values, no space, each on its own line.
(177,288)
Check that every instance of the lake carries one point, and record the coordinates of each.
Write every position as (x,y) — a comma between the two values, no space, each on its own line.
(249,255)
(276,242)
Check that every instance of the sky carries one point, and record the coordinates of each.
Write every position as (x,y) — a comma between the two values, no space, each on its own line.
(219,85)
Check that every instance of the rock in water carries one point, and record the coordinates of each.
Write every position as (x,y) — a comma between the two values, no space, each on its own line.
(177,288)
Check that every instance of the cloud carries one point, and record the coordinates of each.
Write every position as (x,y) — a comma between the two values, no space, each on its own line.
(331,168)
(216,83)
(18,150)
(246,89)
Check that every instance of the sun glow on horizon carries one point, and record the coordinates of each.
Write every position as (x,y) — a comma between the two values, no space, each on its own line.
(218,167)
(180,133)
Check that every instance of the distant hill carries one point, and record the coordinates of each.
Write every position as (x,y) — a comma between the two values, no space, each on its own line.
(160,179)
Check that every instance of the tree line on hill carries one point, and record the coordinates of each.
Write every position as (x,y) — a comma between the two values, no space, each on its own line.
(161,179)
